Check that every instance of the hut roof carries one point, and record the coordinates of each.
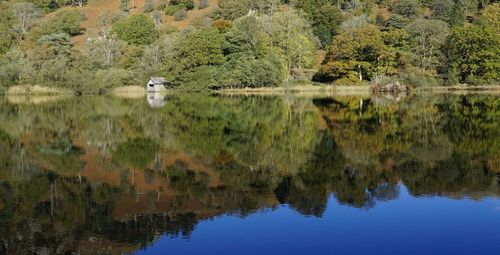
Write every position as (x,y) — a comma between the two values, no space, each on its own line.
(158,80)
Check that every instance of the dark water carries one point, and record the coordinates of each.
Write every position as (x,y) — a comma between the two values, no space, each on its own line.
(203,174)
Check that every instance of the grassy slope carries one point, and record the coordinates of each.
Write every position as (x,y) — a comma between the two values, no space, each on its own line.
(95,7)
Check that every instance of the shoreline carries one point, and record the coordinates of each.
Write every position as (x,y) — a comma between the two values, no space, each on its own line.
(134,91)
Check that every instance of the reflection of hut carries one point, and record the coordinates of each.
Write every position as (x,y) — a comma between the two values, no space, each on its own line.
(157,84)
(156,100)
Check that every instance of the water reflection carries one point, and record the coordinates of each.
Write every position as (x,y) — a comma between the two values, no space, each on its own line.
(101,174)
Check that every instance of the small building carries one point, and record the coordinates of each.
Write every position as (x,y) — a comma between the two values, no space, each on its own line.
(157,84)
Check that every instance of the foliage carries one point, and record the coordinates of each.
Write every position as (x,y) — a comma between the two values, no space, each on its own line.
(137,30)
(473,54)
(428,37)
(149,6)
(26,13)
(357,55)
(188,4)
(61,42)
(325,19)
(6,22)
(63,21)
(181,14)
(407,8)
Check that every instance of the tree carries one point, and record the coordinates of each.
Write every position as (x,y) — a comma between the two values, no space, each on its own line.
(105,49)
(136,30)
(407,8)
(63,21)
(325,18)
(449,11)
(292,37)
(428,36)
(357,55)
(7,20)
(25,13)
(473,54)
(492,15)
(233,9)
(60,42)
(197,59)
(203,47)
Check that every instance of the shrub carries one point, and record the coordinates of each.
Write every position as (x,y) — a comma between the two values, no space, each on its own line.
(137,30)
(180,15)
(203,4)
(172,9)
(149,6)
(222,25)
(188,4)
(418,77)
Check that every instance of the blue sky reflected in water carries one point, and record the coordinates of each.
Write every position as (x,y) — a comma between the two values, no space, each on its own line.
(408,225)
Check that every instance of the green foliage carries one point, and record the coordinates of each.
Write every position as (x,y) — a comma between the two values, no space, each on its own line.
(357,55)
(407,8)
(397,21)
(325,19)
(233,9)
(172,9)
(203,47)
(114,77)
(428,37)
(61,42)
(6,23)
(136,30)
(188,4)
(473,54)
(63,21)
(449,11)
(198,55)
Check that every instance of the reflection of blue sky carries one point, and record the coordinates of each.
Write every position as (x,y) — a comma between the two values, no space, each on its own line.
(408,225)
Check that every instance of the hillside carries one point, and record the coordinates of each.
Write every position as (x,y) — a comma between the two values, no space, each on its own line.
(227,44)
(94,8)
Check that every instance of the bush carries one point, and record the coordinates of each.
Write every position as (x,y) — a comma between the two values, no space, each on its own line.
(180,15)
(113,77)
(172,9)
(149,6)
(188,4)
(137,30)
(417,77)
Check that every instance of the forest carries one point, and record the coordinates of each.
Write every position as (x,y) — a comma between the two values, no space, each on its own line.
(97,45)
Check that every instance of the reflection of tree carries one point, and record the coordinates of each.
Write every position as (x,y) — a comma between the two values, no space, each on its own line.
(231,155)
(137,152)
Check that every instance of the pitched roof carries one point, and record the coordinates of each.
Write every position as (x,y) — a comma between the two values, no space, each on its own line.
(158,80)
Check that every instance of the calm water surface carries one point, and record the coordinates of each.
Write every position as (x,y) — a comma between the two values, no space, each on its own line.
(205,174)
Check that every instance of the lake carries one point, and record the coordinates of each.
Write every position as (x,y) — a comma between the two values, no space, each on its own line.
(234,174)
